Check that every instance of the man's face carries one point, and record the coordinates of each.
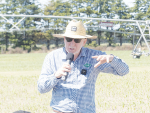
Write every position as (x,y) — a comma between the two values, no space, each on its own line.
(74,46)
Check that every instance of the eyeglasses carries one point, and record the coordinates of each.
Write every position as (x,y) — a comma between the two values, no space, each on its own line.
(75,40)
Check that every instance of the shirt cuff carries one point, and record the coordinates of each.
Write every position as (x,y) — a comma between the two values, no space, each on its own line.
(113,62)
(54,78)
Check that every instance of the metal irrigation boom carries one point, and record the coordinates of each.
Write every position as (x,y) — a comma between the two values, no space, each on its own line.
(146,23)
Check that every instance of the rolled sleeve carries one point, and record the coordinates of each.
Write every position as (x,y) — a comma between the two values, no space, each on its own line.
(47,79)
(116,67)
(120,66)
(46,83)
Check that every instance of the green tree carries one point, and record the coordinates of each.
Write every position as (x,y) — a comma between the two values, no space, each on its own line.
(29,7)
(4,40)
(146,9)
(138,10)
(48,37)
(107,13)
(87,9)
(139,13)
(6,36)
(123,12)
(21,7)
(77,7)
(99,11)
(56,8)
(8,7)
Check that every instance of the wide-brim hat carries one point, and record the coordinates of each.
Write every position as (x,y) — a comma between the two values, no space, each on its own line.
(75,29)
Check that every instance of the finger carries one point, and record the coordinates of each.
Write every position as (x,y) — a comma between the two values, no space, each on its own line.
(107,59)
(58,74)
(99,58)
(63,73)
(67,66)
(95,57)
(66,70)
(98,64)
(103,59)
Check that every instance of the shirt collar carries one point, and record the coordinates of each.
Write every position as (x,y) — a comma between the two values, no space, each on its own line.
(82,53)
(64,54)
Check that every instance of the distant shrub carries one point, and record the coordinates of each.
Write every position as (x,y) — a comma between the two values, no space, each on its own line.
(112,48)
(16,50)
(44,49)
(2,50)
(93,44)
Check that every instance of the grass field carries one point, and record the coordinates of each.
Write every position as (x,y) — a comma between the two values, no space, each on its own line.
(114,94)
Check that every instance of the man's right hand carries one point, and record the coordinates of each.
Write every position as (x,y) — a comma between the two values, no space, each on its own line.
(62,71)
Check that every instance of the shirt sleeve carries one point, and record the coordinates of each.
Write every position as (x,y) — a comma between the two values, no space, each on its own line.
(47,79)
(116,67)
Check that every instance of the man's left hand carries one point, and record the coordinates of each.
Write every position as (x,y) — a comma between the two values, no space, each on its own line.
(103,59)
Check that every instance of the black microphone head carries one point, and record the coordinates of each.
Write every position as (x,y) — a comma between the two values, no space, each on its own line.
(70,56)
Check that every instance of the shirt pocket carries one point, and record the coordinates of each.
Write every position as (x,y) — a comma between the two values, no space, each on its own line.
(85,77)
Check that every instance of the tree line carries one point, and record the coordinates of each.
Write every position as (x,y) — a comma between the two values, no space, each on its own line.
(108,9)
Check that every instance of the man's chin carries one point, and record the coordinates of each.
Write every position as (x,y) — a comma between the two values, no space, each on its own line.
(72,51)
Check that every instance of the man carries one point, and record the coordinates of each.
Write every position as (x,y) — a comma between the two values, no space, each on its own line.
(77,93)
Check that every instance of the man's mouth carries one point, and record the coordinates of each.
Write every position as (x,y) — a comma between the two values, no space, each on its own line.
(71,49)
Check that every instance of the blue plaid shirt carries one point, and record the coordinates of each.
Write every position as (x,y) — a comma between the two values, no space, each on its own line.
(77,93)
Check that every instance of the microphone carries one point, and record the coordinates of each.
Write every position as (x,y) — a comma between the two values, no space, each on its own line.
(69,58)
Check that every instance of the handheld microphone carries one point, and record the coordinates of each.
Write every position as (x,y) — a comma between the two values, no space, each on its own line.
(69,58)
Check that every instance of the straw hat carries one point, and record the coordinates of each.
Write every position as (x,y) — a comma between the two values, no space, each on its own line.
(75,29)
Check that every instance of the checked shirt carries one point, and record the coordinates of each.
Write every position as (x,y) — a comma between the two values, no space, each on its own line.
(77,93)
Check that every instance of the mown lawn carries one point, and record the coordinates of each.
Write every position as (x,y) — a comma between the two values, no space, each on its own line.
(114,94)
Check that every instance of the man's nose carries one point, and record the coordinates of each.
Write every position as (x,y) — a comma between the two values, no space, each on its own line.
(72,42)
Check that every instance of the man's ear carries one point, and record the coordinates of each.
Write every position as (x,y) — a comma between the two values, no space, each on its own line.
(84,42)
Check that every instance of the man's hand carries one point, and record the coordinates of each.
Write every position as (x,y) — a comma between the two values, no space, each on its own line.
(103,59)
(62,71)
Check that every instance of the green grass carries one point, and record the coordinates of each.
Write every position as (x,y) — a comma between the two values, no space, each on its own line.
(114,94)
(21,62)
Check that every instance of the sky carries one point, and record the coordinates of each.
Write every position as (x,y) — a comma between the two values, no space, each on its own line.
(128,2)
